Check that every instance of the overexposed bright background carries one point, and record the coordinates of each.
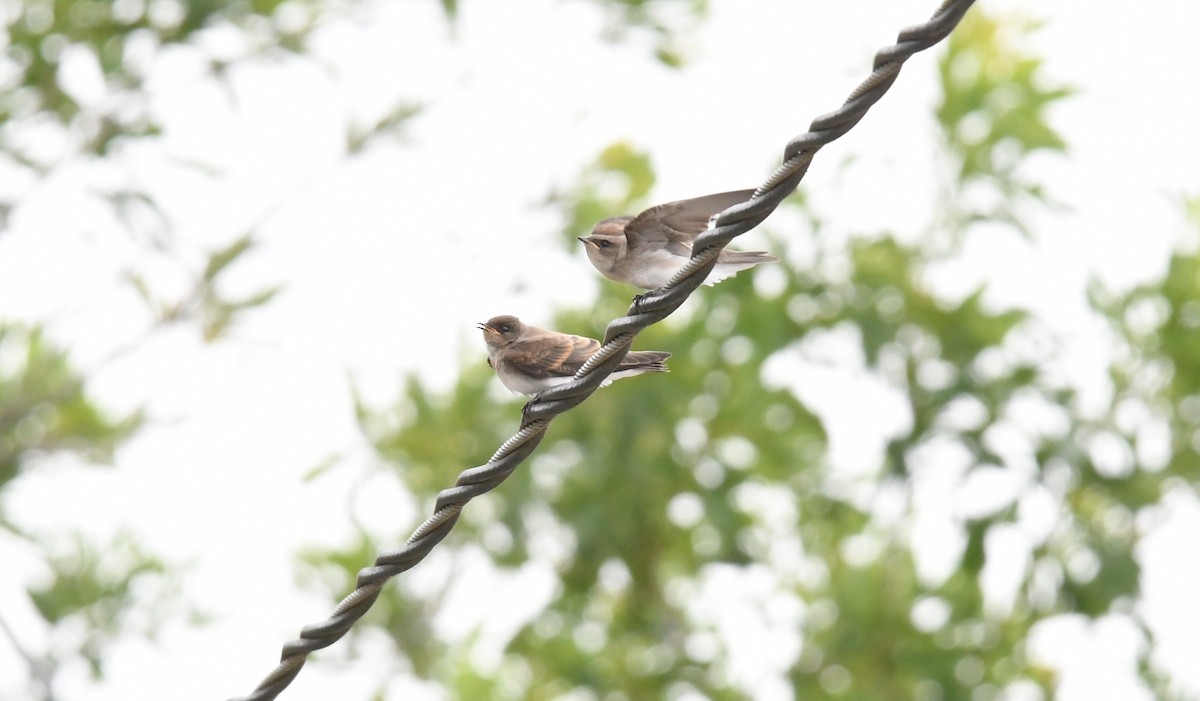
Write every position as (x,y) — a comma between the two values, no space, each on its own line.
(388,261)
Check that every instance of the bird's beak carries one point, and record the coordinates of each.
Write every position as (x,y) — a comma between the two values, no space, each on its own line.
(484,327)
(587,241)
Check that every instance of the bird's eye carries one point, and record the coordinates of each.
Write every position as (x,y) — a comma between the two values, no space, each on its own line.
(605,244)
(504,328)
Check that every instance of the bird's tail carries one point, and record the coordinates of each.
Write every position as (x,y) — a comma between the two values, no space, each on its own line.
(745,257)
(645,361)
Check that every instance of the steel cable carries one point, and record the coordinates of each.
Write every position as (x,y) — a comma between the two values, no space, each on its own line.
(646,309)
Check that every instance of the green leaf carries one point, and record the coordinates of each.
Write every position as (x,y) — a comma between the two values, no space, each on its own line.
(221,259)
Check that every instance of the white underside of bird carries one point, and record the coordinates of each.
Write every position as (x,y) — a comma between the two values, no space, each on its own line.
(523,384)
(655,269)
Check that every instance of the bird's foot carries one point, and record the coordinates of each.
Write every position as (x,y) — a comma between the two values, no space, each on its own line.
(638,299)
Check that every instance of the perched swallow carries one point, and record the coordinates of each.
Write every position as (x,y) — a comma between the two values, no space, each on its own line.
(646,250)
(528,359)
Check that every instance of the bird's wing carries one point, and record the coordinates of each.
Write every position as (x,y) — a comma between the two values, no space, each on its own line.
(676,224)
(552,354)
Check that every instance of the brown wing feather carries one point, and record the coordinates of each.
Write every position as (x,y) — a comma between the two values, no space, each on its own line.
(552,354)
(678,223)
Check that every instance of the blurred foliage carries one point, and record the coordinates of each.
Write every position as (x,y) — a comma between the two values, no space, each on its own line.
(76,93)
(1156,380)
(993,113)
(669,21)
(86,592)
(73,91)
(77,88)
(204,301)
(48,43)
(113,38)
(44,409)
(660,488)
(101,589)
(620,177)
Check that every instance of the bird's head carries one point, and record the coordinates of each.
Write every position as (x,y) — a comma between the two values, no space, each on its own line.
(501,330)
(607,244)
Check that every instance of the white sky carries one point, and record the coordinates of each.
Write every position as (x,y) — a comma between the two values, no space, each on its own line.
(386,273)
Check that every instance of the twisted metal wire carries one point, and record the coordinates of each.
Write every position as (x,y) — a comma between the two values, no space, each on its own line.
(646,309)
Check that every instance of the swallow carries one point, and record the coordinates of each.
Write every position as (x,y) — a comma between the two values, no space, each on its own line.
(528,359)
(646,250)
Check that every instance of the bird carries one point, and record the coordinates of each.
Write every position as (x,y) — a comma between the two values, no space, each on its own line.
(646,250)
(528,359)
